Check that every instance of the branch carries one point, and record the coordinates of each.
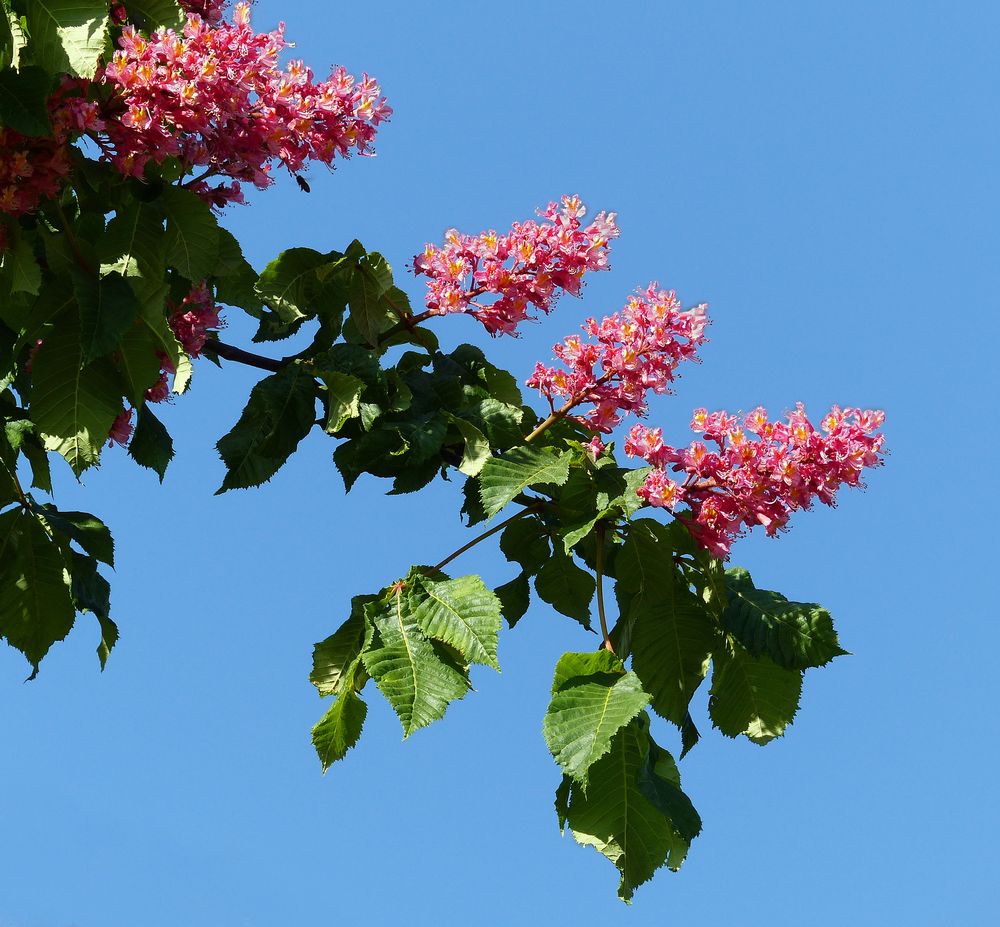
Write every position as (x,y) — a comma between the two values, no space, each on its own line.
(239,356)
(484,536)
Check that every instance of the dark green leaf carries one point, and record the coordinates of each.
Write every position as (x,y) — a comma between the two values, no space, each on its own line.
(526,542)
(108,307)
(514,598)
(192,238)
(134,243)
(87,530)
(371,314)
(151,445)
(22,98)
(567,588)
(149,14)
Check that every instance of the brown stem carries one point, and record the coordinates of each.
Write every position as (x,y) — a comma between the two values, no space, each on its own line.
(482,537)
(239,356)
(565,409)
(405,323)
(600,588)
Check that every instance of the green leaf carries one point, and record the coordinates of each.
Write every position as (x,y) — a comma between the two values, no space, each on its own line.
(477,447)
(563,792)
(615,817)
(108,307)
(151,445)
(192,237)
(567,588)
(291,286)
(149,14)
(12,37)
(87,530)
(23,96)
(594,698)
(36,608)
(526,542)
(343,398)
(472,506)
(73,405)
(109,637)
(20,267)
(339,729)
(460,612)
(134,242)
(235,279)
(796,635)
(335,657)
(41,476)
(752,695)
(67,35)
(371,314)
(673,637)
(418,676)
(514,598)
(153,335)
(660,781)
(503,478)
(279,414)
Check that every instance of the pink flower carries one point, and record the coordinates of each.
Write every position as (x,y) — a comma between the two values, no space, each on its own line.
(500,279)
(751,481)
(191,320)
(121,429)
(632,353)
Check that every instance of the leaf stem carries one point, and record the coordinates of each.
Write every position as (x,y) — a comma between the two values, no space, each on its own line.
(600,530)
(482,537)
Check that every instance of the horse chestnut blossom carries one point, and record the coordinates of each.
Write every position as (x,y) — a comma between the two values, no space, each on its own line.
(121,429)
(214,97)
(497,279)
(759,471)
(192,319)
(632,353)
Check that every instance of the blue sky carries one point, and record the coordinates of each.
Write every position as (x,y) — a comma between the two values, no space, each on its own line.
(824,175)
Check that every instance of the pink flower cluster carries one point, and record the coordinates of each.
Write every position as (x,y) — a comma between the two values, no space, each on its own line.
(121,429)
(497,279)
(632,353)
(214,98)
(746,481)
(209,10)
(192,319)
(33,168)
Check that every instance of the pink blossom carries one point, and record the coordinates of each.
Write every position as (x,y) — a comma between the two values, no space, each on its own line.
(499,279)
(760,480)
(630,354)
(121,429)
(191,320)
(215,98)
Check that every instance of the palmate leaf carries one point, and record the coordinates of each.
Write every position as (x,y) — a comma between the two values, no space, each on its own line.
(67,35)
(462,613)
(279,414)
(752,695)
(36,607)
(796,635)
(417,675)
(503,478)
(615,816)
(73,405)
(593,698)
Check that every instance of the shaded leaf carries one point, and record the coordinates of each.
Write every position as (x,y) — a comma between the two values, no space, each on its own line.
(151,445)
(514,599)
(567,588)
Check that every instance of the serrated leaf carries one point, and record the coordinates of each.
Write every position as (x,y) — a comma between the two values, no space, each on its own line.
(20,268)
(796,635)
(503,478)
(418,677)
(567,588)
(752,695)
(235,278)
(87,530)
(615,817)
(23,96)
(660,782)
(192,235)
(290,284)
(526,543)
(595,699)
(460,612)
(108,307)
(135,242)
(279,414)
(472,506)
(36,608)
(339,729)
(477,448)
(67,36)
(149,14)
(371,315)
(334,657)
(514,599)
(73,405)
(151,445)
(343,398)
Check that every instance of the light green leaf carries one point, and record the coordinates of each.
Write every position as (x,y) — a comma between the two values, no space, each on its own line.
(36,608)
(339,729)
(343,398)
(418,676)
(796,635)
(503,478)
(615,817)
(477,447)
(73,405)
(594,698)
(192,236)
(67,36)
(752,695)
(279,414)
(460,612)
(567,588)
(335,657)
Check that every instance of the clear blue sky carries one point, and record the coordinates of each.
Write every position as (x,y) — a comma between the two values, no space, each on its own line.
(825,176)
